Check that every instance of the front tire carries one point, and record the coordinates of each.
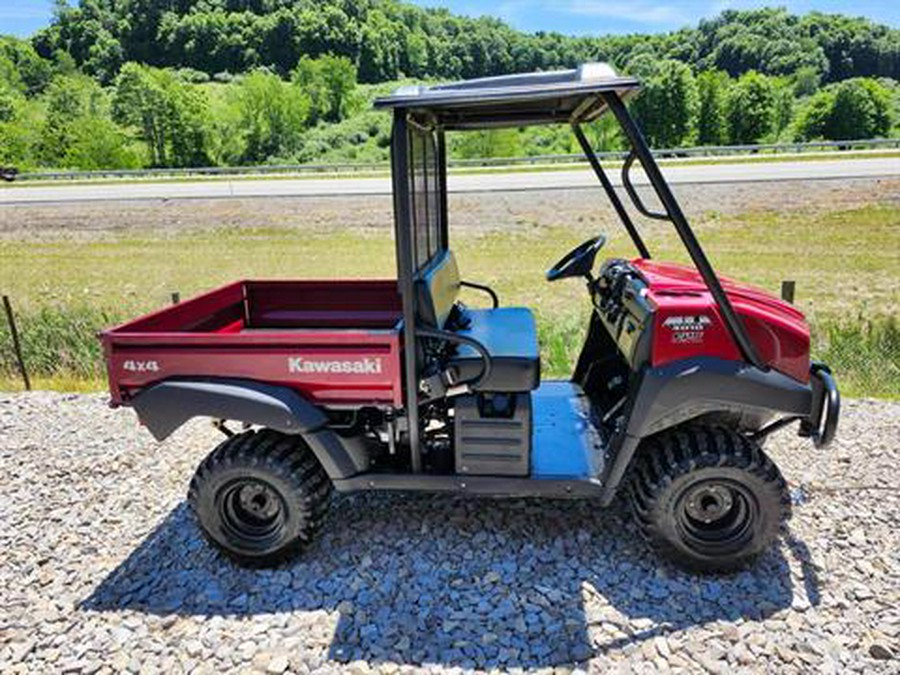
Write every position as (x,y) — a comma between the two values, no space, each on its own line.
(260,496)
(708,498)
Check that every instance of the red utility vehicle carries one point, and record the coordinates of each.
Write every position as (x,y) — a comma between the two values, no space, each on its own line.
(397,385)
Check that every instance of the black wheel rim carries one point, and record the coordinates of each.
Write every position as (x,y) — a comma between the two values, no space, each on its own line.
(717,517)
(253,514)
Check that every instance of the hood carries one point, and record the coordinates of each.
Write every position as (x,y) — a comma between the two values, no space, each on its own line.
(671,278)
(777,329)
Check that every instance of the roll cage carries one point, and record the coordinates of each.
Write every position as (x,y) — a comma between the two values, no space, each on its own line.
(423,115)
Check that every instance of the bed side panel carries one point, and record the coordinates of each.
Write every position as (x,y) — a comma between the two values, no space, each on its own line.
(326,367)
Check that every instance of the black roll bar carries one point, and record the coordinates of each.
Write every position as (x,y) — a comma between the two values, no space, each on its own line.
(610,190)
(399,168)
(633,193)
(642,152)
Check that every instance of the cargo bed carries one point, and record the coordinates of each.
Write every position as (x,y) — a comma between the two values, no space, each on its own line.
(336,342)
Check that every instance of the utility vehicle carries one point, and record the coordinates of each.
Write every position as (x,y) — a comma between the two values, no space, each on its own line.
(397,385)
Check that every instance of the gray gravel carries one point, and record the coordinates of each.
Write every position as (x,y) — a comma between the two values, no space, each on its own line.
(103,570)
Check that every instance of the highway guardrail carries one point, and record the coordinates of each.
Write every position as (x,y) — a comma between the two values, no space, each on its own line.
(498,162)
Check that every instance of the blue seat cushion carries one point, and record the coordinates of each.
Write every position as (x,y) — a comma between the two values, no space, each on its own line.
(510,336)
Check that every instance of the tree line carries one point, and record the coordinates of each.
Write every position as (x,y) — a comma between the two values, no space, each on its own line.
(389,40)
(159,117)
(63,104)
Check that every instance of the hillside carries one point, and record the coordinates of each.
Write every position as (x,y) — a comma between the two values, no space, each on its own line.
(113,84)
(388,40)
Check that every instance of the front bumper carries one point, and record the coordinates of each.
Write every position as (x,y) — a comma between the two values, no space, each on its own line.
(821,425)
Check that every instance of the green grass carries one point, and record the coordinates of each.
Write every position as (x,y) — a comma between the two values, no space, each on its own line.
(846,264)
(57,343)
(62,352)
(864,354)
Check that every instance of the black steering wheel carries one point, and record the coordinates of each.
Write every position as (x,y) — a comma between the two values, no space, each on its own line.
(579,261)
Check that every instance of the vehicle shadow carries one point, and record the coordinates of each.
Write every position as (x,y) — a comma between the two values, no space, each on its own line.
(457,582)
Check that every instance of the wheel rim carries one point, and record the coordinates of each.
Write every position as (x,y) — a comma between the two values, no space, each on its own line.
(717,517)
(253,514)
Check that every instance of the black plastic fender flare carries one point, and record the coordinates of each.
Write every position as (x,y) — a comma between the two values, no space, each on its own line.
(166,406)
(679,392)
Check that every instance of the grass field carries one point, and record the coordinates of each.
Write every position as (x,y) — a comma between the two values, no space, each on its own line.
(846,265)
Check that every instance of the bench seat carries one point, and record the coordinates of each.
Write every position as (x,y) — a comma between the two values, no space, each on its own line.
(510,336)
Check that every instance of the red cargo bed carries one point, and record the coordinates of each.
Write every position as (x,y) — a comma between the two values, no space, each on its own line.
(336,342)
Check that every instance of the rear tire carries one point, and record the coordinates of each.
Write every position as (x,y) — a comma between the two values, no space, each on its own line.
(260,496)
(708,498)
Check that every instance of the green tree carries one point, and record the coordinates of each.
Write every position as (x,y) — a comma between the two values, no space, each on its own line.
(667,107)
(14,145)
(751,109)
(19,122)
(385,38)
(855,108)
(485,144)
(69,99)
(272,115)
(806,81)
(98,143)
(783,110)
(169,115)
(712,127)
(862,109)
(382,48)
(9,75)
(10,101)
(32,71)
(329,83)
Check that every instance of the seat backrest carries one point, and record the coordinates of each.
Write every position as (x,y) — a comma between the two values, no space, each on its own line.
(437,288)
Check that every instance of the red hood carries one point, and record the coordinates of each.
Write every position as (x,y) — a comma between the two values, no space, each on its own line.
(664,277)
(778,329)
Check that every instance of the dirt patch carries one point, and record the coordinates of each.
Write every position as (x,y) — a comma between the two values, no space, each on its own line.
(489,211)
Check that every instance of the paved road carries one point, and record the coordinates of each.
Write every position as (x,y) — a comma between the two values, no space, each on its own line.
(485,182)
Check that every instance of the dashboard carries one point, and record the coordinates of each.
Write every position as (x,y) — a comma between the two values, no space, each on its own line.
(619,296)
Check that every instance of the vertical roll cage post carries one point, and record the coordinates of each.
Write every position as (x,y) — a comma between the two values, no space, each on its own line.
(610,190)
(405,271)
(641,151)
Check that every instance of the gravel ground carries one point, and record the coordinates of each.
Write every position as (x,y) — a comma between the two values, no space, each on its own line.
(102,569)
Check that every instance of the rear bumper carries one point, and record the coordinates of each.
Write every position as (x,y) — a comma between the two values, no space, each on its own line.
(821,425)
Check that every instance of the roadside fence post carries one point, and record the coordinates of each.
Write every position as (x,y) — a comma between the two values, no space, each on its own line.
(176,298)
(787,291)
(17,347)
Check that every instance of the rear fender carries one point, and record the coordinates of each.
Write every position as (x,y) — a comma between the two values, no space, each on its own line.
(166,406)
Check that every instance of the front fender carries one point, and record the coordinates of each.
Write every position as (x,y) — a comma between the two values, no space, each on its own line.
(679,392)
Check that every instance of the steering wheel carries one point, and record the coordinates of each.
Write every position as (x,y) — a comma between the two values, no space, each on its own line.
(579,261)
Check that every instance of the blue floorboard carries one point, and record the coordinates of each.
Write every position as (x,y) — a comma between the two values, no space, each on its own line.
(565,443)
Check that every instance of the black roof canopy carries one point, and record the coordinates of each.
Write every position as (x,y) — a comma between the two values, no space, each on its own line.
(559,96)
